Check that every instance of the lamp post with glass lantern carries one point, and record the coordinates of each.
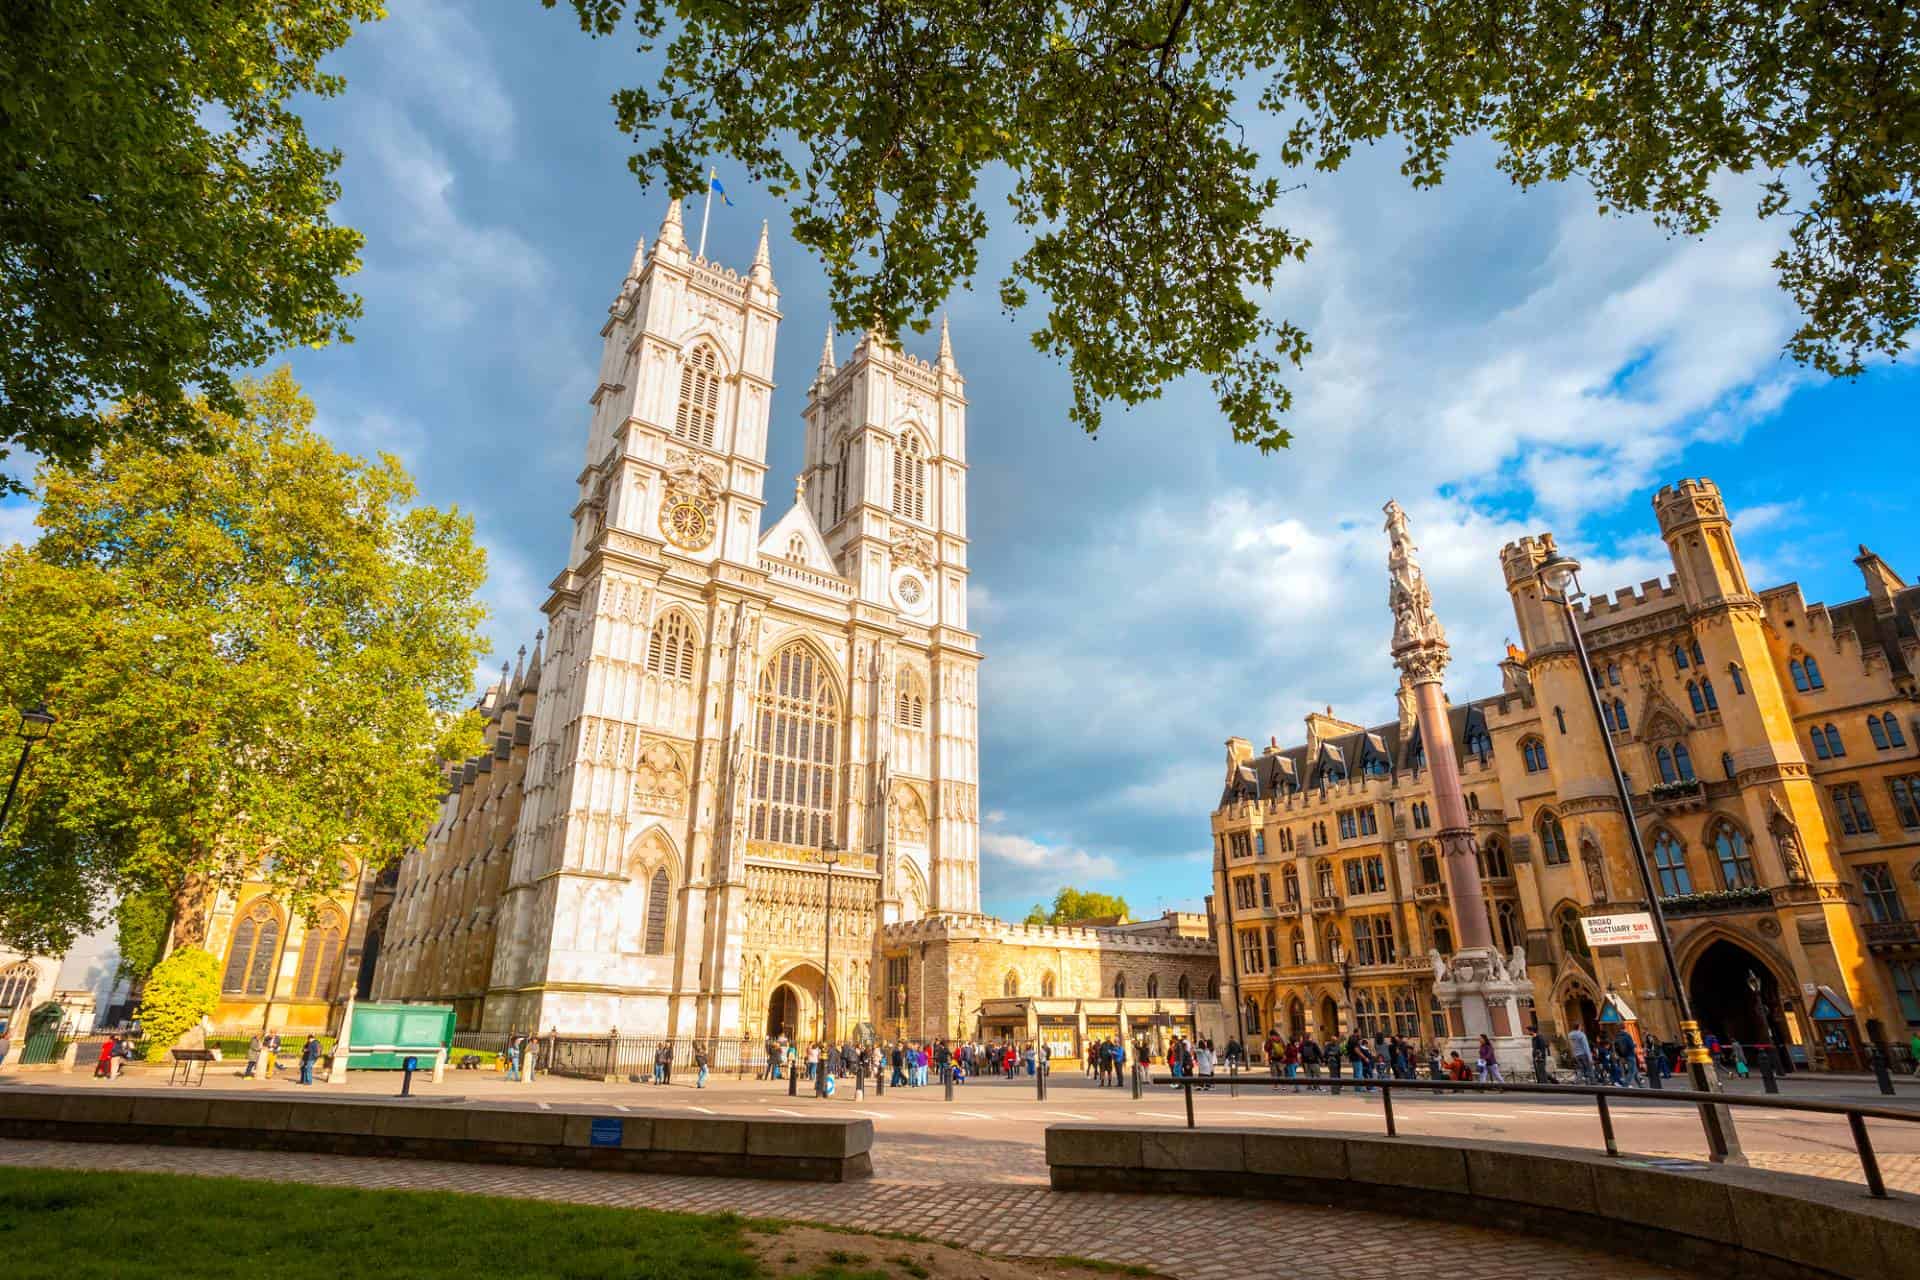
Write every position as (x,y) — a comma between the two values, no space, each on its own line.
(35,726)
(830,857)
(1559,578)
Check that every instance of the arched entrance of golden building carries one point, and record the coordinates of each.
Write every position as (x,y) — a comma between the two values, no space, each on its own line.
(1721,988)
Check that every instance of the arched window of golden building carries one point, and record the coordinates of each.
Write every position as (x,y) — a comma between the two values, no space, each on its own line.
(796,750)
(250,956)
(320,957)
(1046,985)
(1185,989)
(1010,985)
(699,397)
(1153,986)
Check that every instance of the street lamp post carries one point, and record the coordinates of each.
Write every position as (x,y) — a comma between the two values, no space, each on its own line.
(1559,578)
(35,725)
(1764,1050)
(830,855)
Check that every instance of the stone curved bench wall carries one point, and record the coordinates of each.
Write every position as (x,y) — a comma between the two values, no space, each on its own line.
(824,1150)
(1724,1220)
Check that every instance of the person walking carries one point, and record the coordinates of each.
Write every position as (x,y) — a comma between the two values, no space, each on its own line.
(1331,1052)
(1582,1055)
(1203,1060)
(1308,1054)
(309,1054)
(1489,1064)
(103,1065)
(700,1064)
(513,1057)
(253,1058)
(273,1053)
(1629,1056)
(1540,1075)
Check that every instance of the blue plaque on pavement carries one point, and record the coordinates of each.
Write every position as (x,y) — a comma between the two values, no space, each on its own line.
(606,1131)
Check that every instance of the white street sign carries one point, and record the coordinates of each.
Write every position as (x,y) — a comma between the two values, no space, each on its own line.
(1613,931)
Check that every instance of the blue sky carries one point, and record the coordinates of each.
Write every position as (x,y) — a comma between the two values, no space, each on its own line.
(1501,362)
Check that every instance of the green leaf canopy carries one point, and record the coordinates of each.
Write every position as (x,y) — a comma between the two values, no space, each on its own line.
(256,656)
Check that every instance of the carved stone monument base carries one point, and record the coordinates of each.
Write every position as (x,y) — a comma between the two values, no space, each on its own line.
(1482,994)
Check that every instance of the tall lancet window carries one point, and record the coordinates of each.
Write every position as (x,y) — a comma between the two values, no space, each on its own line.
(910,478)
(796,750)
(699,397)
(840,481)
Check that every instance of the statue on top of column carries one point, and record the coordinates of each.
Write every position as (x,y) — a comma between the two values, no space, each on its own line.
(1414,625)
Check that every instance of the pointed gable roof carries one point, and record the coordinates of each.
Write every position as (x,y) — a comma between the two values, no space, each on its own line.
(799,520)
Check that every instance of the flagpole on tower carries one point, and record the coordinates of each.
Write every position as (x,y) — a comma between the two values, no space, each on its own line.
(706,206)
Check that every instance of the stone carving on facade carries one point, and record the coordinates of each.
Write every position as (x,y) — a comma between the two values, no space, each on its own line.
(914,548)
(689,510)
(907,816)
(1415,628)
(1596,872)
(1786,838)
(1439,963)
(660,780)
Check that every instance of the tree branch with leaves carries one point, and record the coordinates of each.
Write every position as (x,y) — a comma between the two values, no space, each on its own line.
(1151,225)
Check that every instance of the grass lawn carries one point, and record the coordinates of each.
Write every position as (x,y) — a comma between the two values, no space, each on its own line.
(66,1224)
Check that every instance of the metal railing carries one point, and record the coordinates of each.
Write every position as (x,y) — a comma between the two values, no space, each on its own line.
(632,1057)
(1857,1115)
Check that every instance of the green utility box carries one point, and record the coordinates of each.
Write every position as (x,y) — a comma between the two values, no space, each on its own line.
(383,1035)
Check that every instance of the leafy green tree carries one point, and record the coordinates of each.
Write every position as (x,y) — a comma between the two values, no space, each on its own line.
(256,654)
(181,990)
(1152,227)
(1073,905)
(163,216)
(140,921)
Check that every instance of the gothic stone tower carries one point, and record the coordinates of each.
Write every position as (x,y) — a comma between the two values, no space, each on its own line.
(722,711)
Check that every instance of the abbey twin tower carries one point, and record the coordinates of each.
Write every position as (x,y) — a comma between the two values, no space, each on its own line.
(721,708)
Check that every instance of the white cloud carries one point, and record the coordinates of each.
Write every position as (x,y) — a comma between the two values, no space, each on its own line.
(438,59)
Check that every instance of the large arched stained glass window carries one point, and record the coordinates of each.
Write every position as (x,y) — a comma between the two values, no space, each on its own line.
(796,749)
(256,939)
(18,986)
(320,957)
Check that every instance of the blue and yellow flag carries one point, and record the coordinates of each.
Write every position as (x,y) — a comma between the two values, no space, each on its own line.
(720,191)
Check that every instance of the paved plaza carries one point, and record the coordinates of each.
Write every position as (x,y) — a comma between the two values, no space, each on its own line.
(972,1172)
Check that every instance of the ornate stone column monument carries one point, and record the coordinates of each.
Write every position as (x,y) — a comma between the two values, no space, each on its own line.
(1478,987)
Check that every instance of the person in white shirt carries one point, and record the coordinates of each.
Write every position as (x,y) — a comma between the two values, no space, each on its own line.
(1203,1063)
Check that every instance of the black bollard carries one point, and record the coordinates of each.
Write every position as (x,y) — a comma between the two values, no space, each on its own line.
(793,1078)
(1767,1080)
(1040,1080)
(1136,1082)
(1233,1078)
(946,1078)
(1880,1074)
(880,1076)
(411,1064)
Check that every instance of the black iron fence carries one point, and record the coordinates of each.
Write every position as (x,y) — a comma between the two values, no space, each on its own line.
(621,1057)
(1603,1096)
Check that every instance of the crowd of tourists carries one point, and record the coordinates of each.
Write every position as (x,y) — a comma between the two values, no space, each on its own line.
(908,1064)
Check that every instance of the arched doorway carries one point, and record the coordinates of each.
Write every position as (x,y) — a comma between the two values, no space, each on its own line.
(1329,1018)
(1723,997)
(1296,1018)
(783,1012)
(793,1006)
(1580,1011)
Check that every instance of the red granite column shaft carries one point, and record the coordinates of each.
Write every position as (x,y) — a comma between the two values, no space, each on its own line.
(1458,856)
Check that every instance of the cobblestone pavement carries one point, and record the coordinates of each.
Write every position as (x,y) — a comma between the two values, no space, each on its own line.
(1185,1237)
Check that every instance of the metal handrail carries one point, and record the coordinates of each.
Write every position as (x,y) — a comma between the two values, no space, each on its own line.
(1857,1115)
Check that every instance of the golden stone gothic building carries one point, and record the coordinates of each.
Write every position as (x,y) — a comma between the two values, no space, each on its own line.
(1773,754)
